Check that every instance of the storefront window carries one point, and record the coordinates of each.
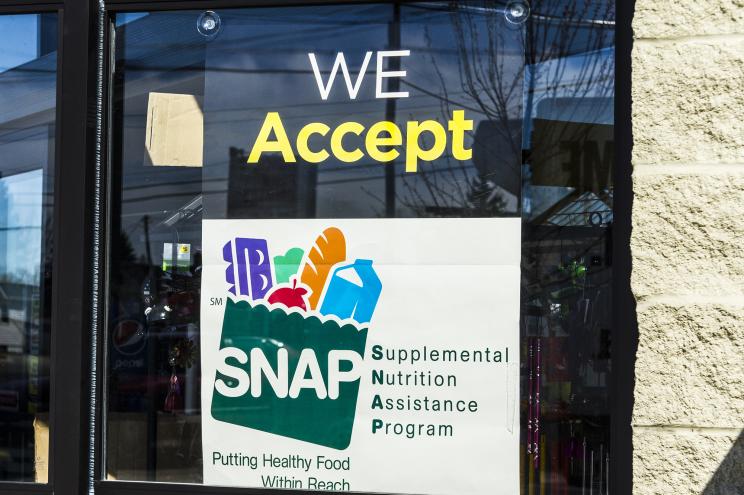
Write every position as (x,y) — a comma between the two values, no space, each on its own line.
(485,143)
(28,74)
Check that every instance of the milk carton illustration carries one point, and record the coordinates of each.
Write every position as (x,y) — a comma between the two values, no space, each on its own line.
(253,268)
(352,292)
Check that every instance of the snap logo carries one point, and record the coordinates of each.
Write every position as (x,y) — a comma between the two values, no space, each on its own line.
(293,338)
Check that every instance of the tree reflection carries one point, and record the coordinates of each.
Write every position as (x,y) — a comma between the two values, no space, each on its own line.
(564,46)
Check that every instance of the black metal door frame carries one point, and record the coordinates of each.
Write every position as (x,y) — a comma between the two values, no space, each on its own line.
(70,368)
(76,443)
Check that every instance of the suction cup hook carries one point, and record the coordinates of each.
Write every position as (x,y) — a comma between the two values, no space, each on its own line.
(208,24)
(517,12)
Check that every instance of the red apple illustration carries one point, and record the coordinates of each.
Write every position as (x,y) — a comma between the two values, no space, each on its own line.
(291,297)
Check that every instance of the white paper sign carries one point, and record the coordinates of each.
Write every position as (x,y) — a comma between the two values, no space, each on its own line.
(381,357)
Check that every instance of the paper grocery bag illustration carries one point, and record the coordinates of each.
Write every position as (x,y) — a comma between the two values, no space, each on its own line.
(323,421)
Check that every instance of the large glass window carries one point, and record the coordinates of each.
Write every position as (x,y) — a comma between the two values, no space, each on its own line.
(28,75)
(193,94)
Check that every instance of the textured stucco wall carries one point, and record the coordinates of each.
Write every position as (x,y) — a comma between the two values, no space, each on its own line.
(688,246)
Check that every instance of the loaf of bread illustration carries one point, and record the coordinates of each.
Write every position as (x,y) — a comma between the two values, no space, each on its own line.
(329,249)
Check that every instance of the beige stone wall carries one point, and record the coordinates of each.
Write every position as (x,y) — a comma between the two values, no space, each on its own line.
(688,246)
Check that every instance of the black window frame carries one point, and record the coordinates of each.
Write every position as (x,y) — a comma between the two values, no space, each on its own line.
(69,364)
(79,274)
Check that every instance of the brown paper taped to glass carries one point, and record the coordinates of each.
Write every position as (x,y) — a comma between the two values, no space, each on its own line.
(174,136)
(41,448)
